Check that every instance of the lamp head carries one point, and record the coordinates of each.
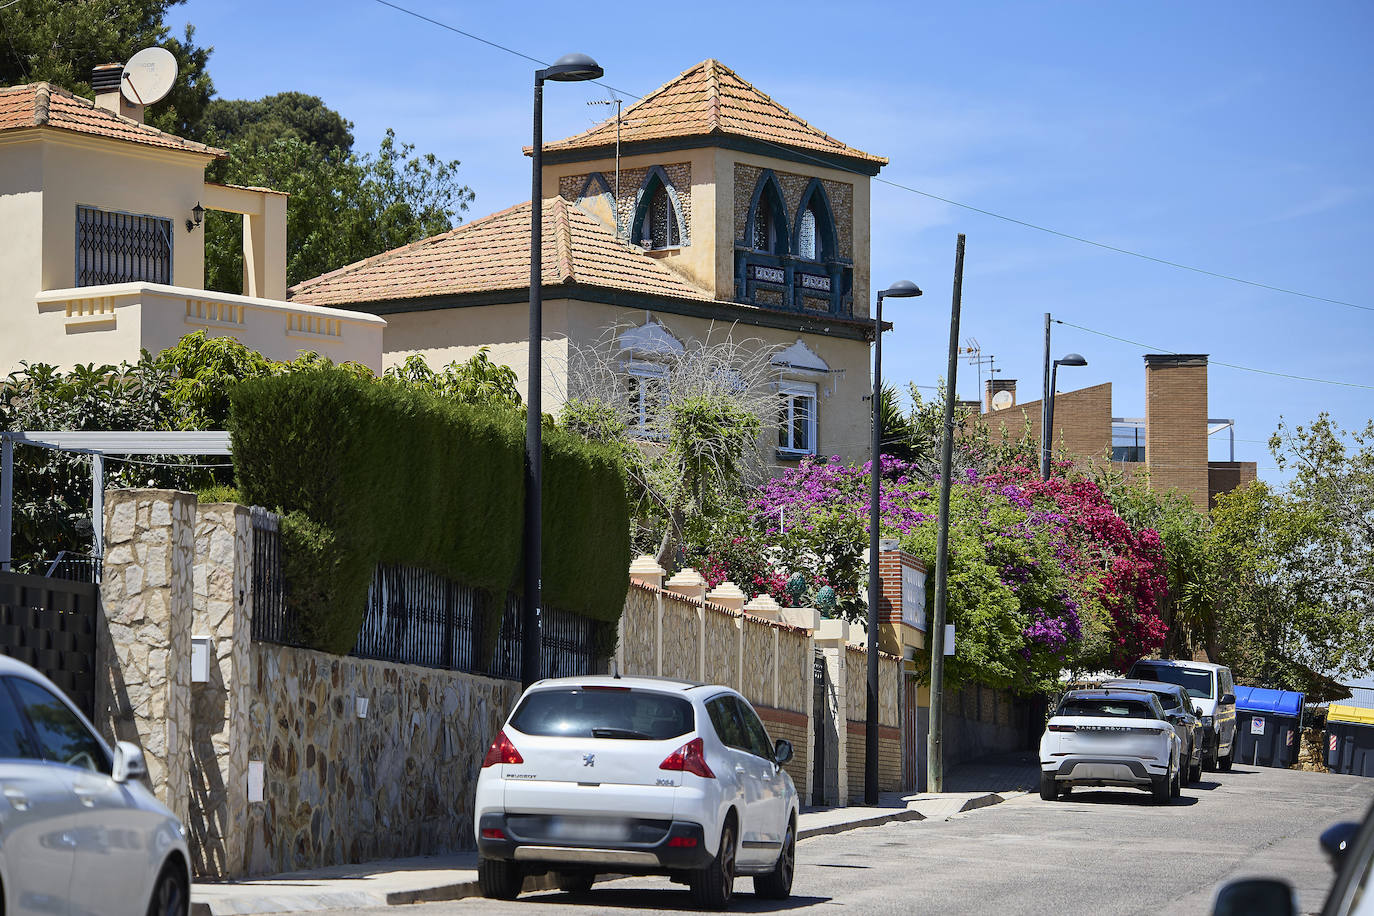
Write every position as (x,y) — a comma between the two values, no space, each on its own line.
(572,68)
(902,289)
(1072,359)
(197,217)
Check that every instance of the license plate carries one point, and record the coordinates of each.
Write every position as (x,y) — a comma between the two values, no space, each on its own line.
(586,829)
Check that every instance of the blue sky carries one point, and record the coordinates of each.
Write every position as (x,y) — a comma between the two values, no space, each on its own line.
(1234,137)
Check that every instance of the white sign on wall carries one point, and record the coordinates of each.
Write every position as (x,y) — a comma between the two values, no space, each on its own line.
(1257,725)
(914,598)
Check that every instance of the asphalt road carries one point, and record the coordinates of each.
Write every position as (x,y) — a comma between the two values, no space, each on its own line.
(1100,852)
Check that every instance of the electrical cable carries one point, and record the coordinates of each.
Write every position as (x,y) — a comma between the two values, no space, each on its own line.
(1217,362)
(164,464)
(945,200)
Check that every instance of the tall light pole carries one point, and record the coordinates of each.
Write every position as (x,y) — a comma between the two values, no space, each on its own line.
(935,778)
(569,68)
(1047,436)
(902,289)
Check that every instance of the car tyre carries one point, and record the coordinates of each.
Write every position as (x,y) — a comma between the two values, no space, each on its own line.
(170,896)
(1224,763)
(1049,787)
(1176,787)
(777,884)
(713,885)
(499,879)
(1161,788)
(575,882)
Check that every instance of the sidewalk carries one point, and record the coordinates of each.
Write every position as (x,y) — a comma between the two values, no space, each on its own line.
(430,878)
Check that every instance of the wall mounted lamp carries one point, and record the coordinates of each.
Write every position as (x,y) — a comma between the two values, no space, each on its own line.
(197,217)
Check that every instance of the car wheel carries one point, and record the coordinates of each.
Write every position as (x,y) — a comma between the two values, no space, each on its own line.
(1049,787)
(1209,756)
(498,878)
(1176,786)
(169,893)
(1161,788)
(575,882)
(1224,763)
(712,886)
(777,884)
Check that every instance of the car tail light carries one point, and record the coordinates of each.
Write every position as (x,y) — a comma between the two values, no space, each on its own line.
(682,842)
(1063,728)
(690,758)
(493,833)
(601,687)
(501,751)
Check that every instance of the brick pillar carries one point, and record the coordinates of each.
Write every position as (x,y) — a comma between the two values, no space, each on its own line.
(223,605)
(144,693)
(1176,424)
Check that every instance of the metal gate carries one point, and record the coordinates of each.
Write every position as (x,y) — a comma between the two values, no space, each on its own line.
(819,716)
(912,737)
(50,624)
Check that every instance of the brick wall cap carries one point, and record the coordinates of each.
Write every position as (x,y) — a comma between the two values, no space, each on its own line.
(727,592)
(687,577)
(1175,359)
(645,565)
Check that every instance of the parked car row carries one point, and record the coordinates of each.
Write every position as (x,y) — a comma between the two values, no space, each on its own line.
(1156,730)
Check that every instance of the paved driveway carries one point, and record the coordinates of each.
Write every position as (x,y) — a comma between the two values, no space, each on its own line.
(1102,852)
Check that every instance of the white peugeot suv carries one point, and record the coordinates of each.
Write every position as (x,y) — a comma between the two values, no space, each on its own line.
(636,775)
(1110,737)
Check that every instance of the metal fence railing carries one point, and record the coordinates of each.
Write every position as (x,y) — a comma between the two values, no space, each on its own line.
(75,567)
(270,623)
(417,617)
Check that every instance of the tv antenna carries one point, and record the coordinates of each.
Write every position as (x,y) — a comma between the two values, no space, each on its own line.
(974,352)
(614,100)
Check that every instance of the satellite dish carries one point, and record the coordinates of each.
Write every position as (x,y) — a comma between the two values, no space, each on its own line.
(1002,400)
(148,76)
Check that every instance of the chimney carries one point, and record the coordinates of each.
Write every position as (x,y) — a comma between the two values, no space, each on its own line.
(995,386)
(1176,423)
(107,81)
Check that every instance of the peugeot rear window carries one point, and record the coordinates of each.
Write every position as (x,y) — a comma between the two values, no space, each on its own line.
(1117,709)
(1197,683)
(604,712)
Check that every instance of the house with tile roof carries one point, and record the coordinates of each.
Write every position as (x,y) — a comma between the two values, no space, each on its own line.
(102,247)
(724,213)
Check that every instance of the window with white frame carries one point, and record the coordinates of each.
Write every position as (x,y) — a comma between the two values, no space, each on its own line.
(797,418)
(646,388)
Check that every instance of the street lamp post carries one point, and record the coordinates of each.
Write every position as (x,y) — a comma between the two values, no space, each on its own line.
(902,289)
(1047,434)
(569,68)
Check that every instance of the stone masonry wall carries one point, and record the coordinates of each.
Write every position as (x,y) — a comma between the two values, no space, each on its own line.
(223,597)
(339,788)
(144,693)
(570,187)
(841,197)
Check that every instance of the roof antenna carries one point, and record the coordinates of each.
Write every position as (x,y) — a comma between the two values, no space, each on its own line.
(616,102)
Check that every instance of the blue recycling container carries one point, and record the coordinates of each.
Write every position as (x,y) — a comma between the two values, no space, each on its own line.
(1268,726)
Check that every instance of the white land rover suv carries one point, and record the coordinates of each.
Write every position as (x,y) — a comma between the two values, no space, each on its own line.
(636,775)
(1110,737)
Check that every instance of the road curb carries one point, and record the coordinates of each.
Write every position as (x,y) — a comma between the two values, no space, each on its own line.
(876,821)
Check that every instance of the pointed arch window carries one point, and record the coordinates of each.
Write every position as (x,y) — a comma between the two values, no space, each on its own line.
(768,230)
(806,235)
(657,221)
(762,237)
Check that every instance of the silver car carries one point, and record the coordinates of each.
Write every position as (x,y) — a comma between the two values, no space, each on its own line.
(79,833)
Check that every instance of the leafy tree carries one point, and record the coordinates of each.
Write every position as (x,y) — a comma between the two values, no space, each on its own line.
(342,208)
(61,40)
(259,122)
(479,380)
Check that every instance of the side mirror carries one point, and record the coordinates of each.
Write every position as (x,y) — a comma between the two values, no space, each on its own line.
(1255,897)
(1336,841)
(128,763)
(1227,699)
(782,751)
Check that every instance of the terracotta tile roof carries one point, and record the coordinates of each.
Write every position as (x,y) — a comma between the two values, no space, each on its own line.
(493,253)
(708,99)
(46,105)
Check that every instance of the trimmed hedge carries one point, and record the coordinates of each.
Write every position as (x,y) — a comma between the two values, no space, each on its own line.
(370,473)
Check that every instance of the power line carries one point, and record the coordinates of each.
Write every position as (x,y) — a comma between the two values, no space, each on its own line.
(1287,375)
(927,194)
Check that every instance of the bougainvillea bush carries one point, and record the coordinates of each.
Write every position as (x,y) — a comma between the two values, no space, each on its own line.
(1044,575)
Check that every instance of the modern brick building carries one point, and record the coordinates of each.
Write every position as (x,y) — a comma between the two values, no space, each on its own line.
(1170,440)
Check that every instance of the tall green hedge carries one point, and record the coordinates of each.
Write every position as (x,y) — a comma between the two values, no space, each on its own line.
(372,473)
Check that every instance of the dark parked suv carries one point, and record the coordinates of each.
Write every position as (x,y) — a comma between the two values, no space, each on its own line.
(1182,714)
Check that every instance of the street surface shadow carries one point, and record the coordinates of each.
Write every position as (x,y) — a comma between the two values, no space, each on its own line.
(841,865)
(1135,799)
(1205,785)
(667,900)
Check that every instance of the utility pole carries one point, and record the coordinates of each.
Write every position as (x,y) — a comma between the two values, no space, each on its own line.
(1046,434)
(935,777)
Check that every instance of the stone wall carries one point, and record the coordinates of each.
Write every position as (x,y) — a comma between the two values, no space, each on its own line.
(144,649)
(223,604)
(571,187)
(340,787)
(793,185)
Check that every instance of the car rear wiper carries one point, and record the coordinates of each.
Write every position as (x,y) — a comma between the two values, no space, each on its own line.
(618,733)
